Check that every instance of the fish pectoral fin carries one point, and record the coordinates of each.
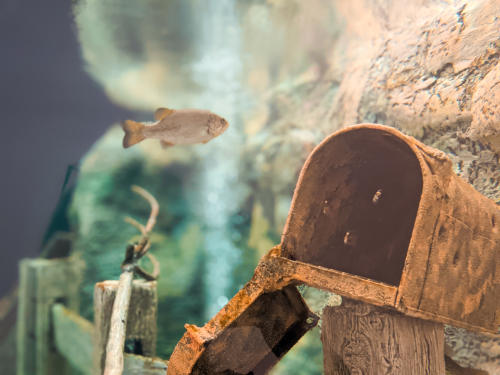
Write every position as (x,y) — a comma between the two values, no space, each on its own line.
(165,144)
(161,113)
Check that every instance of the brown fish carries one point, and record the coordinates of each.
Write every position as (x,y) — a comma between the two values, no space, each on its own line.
(176,127)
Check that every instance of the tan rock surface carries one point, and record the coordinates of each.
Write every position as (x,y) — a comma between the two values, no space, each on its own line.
(428,68)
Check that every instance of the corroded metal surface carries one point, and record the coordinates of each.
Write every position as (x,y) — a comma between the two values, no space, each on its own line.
(251,333)
(355,205)
(265,318)
(375,203)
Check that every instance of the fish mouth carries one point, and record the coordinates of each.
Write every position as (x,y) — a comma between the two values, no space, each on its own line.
(217,125)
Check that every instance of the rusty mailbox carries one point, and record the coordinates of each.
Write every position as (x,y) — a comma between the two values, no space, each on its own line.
(378,217)
(373,203)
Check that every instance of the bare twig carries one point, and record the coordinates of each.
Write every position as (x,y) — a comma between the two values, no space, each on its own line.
(154,206)
(139,271)
(141,228)
(118,326)
(156,265)
(143,249)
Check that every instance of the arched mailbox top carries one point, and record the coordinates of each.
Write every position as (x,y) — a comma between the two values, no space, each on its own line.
(355,204)
(377,204)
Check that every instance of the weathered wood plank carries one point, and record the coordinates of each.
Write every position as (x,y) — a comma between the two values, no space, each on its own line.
(74,340)
(73,337)
(364,339)
(42,283)
(141,324)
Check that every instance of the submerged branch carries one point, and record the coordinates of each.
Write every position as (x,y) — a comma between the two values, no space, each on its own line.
(118,326)
(141,228)
(154,206)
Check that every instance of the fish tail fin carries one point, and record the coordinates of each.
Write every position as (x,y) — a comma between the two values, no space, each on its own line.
(133,133)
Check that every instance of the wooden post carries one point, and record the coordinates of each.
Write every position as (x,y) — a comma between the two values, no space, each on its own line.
(141,324)
(363,339)
(74,339)
(42,283)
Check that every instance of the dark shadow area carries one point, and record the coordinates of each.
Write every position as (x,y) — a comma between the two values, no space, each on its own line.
(259,337)
(52,112)
(133,346)
(357,205)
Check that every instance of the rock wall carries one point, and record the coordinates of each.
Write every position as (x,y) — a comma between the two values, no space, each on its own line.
(428,68)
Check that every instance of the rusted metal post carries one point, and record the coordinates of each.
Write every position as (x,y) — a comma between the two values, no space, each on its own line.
(363,339)
(141,323)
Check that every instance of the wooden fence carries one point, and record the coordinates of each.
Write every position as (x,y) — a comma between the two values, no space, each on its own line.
(52,338)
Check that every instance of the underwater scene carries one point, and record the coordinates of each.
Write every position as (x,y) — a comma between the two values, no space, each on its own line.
(223,204)
(293,188)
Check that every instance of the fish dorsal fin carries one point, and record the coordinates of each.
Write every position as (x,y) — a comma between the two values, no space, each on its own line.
(161,113)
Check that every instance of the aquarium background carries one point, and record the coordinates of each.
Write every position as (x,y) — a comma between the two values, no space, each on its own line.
(52,112)
(83,67)
(223,204)
(285,73)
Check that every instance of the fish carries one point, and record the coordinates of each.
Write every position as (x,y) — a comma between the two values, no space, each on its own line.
(175,127)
